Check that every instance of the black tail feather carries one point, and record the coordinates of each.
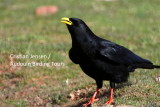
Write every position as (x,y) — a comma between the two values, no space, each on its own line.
(146,66)
(156,66)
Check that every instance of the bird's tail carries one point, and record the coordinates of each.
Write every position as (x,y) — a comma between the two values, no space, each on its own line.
(156,66)
(146,66)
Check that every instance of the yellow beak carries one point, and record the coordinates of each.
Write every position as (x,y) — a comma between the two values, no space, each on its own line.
(66,21)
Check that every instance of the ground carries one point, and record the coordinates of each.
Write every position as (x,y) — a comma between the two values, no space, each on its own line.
(133,24)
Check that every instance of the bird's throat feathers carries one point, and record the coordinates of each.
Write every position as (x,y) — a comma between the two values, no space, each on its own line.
(80,32)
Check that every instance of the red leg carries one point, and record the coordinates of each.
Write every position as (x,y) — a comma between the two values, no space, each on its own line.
(93,98)
(110,101)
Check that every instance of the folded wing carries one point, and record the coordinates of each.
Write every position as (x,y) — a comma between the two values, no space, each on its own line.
(122,55)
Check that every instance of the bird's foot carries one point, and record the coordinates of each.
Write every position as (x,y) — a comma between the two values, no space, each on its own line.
(91,101)
(110,101)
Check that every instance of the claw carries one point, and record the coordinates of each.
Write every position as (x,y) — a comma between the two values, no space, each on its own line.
(110,101)
(96,99)
(91,101)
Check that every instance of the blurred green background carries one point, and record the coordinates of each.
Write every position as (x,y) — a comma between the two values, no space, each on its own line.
(131,23)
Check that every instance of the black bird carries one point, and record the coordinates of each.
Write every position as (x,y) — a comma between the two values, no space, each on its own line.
(102,59)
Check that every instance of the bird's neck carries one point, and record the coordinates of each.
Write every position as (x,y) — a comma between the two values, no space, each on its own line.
(82,37)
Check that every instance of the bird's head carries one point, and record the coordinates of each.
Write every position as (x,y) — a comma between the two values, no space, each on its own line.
(72,21)
(76,25)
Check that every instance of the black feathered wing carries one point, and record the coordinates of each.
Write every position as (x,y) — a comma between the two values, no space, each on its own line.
(122,55)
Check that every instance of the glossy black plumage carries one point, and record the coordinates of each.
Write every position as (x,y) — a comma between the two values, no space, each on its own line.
(102,59)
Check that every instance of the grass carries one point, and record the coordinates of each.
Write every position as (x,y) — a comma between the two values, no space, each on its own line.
(133,24)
